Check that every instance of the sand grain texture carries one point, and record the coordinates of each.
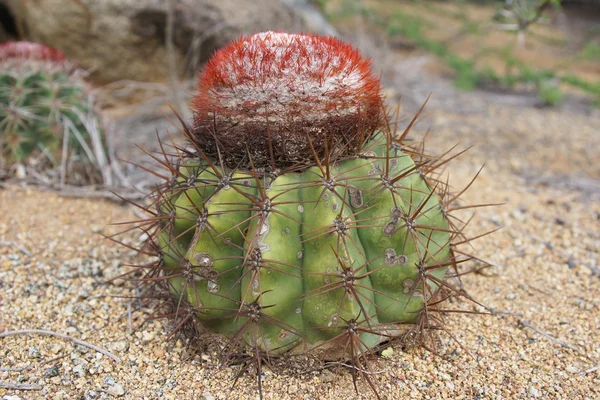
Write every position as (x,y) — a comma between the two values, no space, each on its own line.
(546,279)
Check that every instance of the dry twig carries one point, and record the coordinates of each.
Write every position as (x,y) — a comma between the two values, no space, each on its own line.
(8,243)
(62,336)
(527,324)
(20,386)
(587,371)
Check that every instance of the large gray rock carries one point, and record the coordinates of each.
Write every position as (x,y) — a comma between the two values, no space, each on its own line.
(125,39)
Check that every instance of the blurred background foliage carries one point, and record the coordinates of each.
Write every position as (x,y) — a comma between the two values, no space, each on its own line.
(551,47)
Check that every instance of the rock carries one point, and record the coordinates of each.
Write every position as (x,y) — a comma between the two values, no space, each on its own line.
(125,39)
(511,296)
(51,372)
(311,17)
(34,352)
(119,346)
(534,392)
(79,370)
(387,353)
(118,389)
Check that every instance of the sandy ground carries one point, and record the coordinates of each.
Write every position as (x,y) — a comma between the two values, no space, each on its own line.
(546,283)
(543,341)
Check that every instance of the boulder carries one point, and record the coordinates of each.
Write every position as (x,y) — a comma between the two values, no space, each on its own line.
(127,39)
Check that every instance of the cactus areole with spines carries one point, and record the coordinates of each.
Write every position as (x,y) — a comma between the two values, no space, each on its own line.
(297,220)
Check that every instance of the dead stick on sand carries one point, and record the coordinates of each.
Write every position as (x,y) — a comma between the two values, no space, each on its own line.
(526,324)
(587,371)
(60,335)
(7,243)
(19,386)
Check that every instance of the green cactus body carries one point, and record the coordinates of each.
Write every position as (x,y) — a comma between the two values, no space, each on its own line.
(299,259)
(295,218)
(46,110)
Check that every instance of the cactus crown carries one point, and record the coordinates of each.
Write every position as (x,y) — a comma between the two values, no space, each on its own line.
(29,51)
(276,96)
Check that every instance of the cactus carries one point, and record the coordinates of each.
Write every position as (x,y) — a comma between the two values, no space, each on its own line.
(296,220)
(48,121)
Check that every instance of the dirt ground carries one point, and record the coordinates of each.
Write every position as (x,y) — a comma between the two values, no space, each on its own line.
(542,342)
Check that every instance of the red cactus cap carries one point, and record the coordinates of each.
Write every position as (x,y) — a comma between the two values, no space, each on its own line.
(284,88)
(29,51)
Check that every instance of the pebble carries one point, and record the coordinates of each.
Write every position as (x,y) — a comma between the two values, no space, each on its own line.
(511,296)
(147,337)
(52,371)
(534,392)
(97,228)
(119,346)
(387,353)
(207,396)
(79,370)
(118,389)
(572,369)
(34,352)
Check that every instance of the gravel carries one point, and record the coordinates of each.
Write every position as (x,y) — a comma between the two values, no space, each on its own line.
(543,341)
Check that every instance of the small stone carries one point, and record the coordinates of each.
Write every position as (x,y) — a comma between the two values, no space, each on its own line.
(207,396)
(534,392)
(118,389)
(511,296)
(387,353)
(147,336)
(79,370)
(60,396)
(51,372)
(34,352)
(292,389)
(109,380)
(56,348)
(572,369)
(119,346)
(90,395)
